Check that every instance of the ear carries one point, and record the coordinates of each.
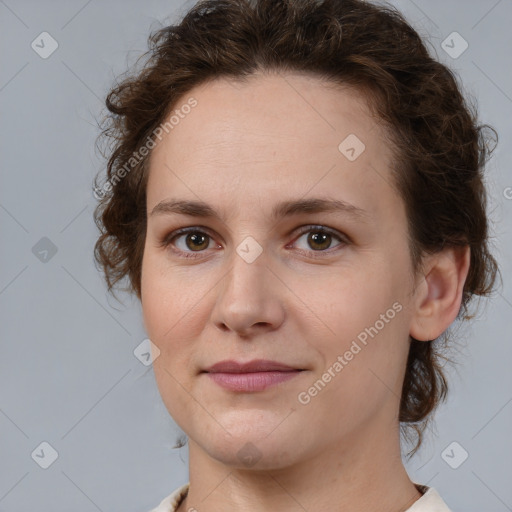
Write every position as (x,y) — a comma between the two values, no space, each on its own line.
(438,293)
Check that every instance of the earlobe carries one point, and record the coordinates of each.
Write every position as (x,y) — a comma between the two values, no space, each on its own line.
(439,295)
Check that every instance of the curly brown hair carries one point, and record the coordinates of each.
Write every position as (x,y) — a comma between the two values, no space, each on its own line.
(439,149)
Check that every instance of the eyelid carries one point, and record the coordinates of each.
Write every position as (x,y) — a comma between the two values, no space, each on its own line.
(324,229)
(168,239)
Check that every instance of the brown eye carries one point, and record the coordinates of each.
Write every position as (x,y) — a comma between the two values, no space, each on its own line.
(197,241)
(191,242)
(187,242)
(319,240)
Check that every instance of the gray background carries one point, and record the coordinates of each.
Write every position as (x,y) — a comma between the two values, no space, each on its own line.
(68,374)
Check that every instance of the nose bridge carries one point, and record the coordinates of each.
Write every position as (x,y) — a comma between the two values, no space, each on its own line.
(248,268)
(247,296)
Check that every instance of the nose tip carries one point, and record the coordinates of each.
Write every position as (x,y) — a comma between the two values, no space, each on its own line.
(243,329)
(248,301)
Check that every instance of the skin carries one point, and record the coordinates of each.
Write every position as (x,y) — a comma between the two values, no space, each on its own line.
(243,149)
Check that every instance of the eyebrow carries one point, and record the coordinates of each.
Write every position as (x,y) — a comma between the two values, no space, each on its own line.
(280,210)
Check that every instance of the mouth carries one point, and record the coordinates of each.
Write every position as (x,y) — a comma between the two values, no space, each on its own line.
(252,376)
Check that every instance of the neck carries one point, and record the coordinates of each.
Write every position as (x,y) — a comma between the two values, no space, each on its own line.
(365,473)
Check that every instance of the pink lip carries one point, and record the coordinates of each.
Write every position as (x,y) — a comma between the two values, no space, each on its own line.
(253,376)
(257,365)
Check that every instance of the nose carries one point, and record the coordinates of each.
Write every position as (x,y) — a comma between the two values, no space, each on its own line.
(249,298)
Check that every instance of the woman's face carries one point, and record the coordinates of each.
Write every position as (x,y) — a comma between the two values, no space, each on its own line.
(324,291)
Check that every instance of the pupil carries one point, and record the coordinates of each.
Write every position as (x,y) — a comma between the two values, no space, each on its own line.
(197,240)
(314,237)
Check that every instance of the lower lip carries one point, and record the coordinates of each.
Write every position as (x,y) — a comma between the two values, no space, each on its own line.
(250,382)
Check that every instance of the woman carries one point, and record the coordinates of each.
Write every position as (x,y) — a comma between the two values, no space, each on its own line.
(295,193)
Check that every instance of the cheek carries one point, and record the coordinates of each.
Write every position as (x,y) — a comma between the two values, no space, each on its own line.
(366,320)
(161,309)
(355,298)
(169,300)
(175,308)
(168,322)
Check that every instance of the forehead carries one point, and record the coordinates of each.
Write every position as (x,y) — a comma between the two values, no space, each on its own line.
(273,135)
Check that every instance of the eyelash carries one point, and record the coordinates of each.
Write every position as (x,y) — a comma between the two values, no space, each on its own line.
(169,239)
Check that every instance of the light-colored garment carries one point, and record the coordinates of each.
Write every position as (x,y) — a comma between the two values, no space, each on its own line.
(429,502)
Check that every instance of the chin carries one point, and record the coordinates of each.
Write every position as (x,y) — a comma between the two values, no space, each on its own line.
(253,453)
(260,426)
(253,440)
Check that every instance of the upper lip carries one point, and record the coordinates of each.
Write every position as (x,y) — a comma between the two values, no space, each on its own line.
(257,365)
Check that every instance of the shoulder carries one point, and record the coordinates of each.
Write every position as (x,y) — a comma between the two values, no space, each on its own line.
(170,503)
(431,501)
